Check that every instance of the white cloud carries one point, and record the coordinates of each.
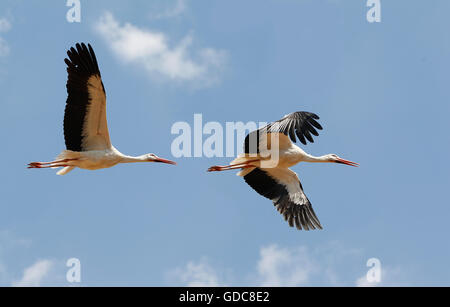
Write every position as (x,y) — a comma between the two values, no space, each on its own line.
(199,274)
(35,274)
(41,272)
(329,264)
(275,266)
(389,277)
(4,48)
(285,267)
(176,10)
(9,243)
(363,282)
(5,26)
(151,50)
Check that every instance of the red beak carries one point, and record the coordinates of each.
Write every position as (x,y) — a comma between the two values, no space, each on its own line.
(346,162)
(161,160)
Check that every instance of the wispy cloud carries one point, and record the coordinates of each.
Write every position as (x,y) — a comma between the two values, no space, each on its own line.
(285,267)
(363,282)
(4,48)
(152,51)
(196,274)
(43,272)
(9,244)
(389,277)
(329,264)
(5,26)
(35,274)
(275,266)
(175,10)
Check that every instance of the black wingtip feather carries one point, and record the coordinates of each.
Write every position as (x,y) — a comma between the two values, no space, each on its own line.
(83,59)
(315,124)
(313,115)
(301,124)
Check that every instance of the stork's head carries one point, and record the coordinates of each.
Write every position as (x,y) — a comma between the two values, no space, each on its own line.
(154,158)
(336,159)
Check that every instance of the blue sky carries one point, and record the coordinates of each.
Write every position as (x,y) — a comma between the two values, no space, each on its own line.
(381,92)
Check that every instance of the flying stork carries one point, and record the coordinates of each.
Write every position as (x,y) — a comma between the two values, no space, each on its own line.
(85,127)
(268,154)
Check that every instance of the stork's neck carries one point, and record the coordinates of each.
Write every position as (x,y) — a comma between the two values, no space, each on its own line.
(131,159)
(310,158)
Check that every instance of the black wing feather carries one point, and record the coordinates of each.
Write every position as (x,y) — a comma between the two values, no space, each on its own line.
(300,124)
(81,65)
(302,216)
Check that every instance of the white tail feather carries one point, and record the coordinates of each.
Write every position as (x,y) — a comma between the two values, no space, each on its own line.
(68,154)
(65,170)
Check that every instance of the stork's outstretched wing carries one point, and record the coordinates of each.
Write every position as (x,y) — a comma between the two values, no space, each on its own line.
(283,187)
(300,124)
(85,125)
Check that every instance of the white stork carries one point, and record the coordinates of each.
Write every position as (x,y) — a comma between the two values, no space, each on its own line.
(265,167)
(85,127)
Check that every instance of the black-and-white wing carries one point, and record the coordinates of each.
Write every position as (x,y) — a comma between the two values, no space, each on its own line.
(283,187)
(298,124)
(85,125)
